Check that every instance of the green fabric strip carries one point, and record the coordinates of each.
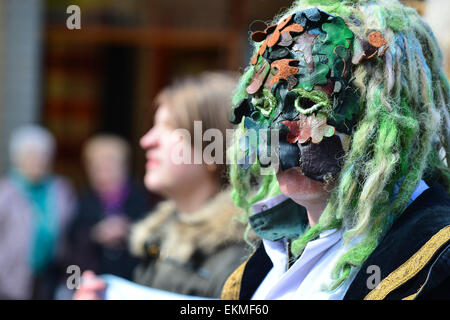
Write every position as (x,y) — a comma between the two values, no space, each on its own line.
(285,220)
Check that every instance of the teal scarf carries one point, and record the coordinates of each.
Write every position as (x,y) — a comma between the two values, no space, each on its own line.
(285,220)
(44,220)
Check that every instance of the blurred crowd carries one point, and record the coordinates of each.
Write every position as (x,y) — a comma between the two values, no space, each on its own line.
(47,227)
(186,244)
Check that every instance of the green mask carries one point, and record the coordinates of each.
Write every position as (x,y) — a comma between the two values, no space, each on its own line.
(301,85)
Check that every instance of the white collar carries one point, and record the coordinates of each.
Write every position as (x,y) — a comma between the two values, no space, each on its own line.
(306,277)
(283,284)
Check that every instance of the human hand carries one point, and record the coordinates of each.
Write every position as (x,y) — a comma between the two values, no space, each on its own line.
(91,288)
(111,232)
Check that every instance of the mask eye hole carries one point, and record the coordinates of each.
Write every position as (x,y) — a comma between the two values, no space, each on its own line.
(310,102)
(307,106)
(306,103)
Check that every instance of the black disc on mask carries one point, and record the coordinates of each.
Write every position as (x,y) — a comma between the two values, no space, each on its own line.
(289,155)
(323,159)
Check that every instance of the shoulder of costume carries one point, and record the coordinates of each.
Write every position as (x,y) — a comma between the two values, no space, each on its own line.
(243,282)
(413,258)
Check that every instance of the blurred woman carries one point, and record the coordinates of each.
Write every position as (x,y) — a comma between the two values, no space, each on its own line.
(35,208)
(106,208)
(190,243)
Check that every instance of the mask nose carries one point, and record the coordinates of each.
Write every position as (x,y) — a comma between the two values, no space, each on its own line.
(289,155)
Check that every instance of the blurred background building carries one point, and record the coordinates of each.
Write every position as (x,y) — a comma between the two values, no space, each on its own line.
(103,77)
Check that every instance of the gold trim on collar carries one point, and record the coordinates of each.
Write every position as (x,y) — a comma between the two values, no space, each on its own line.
(414,295)
(411,267)
(232,287)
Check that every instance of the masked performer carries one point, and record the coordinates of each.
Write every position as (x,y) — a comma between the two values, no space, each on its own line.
(356,94)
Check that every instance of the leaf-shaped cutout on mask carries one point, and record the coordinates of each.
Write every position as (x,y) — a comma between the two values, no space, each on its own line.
(284,70)
(312,14)
(320,128)
(275,36)
(278,54)
(293,28)
(308,80)
(295,129)
(376,39)
(337,33)
(304,44)
(286,39)
(261,72)
(313,127)
(258,54)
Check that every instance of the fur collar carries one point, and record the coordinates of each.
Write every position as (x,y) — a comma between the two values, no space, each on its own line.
(205,230)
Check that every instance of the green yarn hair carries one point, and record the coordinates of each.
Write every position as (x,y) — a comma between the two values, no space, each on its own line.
(244,182)
(402,136)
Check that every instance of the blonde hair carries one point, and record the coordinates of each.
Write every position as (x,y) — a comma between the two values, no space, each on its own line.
(205,98)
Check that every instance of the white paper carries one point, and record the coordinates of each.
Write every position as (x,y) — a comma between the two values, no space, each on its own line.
(122,289)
